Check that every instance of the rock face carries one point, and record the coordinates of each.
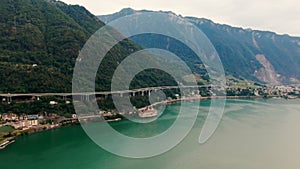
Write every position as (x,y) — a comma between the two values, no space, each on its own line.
(267,72)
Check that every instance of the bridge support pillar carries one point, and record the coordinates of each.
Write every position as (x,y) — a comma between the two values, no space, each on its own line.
(9,99)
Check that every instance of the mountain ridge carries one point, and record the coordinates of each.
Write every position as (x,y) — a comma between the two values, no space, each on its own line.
(129,11)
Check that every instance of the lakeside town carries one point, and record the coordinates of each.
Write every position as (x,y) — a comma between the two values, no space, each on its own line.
(13,125)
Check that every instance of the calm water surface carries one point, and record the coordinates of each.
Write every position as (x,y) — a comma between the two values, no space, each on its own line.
(254,134)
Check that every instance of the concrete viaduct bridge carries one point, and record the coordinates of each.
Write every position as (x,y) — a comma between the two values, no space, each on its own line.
(87,95)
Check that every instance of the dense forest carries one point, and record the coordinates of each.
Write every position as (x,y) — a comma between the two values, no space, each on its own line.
(40,42)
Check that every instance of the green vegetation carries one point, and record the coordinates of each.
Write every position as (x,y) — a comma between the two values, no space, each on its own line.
(6,129)
(40,42)
(43,33)
(39,106)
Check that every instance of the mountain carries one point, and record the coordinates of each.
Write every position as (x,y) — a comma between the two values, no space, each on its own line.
(262,56)
(41,40)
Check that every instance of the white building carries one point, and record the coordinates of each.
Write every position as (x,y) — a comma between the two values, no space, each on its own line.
(53,103)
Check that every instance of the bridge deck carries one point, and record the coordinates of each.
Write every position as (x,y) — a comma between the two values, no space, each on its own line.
(100,93)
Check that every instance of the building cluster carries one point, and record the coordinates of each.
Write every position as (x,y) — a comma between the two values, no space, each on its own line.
(275,91)
(289,92)
(24,121)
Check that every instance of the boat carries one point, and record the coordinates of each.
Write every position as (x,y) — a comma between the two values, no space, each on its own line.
(148,112)
(114,120)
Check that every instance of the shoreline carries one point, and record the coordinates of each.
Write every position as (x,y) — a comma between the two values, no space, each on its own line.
(208,98)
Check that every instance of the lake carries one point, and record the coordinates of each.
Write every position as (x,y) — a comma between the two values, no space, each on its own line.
(253,134)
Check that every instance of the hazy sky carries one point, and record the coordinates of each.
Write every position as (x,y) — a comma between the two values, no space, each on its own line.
(281,16)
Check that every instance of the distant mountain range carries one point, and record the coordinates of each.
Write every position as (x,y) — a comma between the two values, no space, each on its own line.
(261,56)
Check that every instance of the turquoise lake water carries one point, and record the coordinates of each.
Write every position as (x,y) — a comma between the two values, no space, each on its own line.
(253,134)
